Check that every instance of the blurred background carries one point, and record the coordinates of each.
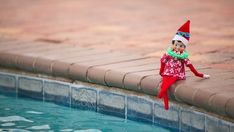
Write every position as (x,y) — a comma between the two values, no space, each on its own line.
(143,27)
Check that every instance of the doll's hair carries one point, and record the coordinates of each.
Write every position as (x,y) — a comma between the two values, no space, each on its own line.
(173,41)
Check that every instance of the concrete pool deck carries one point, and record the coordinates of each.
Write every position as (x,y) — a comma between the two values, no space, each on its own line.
(117,69)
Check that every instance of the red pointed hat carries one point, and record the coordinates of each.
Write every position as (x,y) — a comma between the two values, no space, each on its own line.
(183,33)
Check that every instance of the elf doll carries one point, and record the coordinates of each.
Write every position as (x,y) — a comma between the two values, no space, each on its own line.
(173,62)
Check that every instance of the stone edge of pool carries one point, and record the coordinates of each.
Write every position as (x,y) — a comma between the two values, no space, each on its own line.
(128,104)
(117,69)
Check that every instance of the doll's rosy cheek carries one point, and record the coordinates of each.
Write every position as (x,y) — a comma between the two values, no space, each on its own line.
(173,46)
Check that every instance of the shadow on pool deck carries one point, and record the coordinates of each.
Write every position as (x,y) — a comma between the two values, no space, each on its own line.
(116,69)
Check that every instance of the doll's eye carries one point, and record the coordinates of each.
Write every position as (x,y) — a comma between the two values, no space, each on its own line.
(181,46)
(176,44)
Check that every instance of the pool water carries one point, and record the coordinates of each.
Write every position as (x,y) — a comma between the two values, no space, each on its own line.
(22,114)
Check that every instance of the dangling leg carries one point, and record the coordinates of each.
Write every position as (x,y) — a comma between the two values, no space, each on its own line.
(164,86)
(167,81)
(165,97)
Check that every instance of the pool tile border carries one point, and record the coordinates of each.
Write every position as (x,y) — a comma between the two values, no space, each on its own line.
(8,84)
(215,125)
(111,103)
(139,108)
(57,92)
(192,120)
(30,87)
(128,106)
(171,117)
(83,97)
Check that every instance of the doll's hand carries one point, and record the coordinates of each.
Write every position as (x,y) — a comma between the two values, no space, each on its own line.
(206,76)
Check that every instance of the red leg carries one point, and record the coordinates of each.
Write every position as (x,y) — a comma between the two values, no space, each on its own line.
(165,97)
(163,88)
(167,81)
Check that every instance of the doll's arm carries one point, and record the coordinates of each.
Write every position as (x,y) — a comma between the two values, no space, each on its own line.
(163,61)
(162,68)
(189,64)
(197,73)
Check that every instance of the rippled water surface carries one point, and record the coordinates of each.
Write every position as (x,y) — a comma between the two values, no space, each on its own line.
(22,115)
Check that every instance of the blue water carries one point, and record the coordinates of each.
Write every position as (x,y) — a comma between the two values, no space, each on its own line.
(21,114)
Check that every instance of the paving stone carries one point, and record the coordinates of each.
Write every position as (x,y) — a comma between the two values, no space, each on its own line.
(41,47)
(132,80)
(150,84)
(48,64)
(43,65)
(112,58)
(79,71)
(230,107)
(29,46)
(217,102)
(43,50)
(27,60)
(86,55)
(61,67)
(222,74)
(61,50)
(22,61)
(116,77)
(7,44)
(8,60)
(195,90)
(6,40)
(97,74)
(66,55)
(200,92)
(26,63)
(205,93)
(15,45)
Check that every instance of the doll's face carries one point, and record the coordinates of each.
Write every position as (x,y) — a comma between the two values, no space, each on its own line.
(178,46)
